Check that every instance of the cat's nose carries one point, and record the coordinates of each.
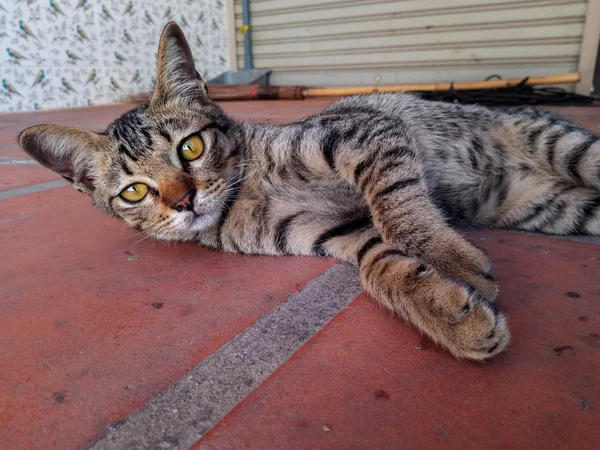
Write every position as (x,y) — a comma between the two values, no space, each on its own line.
(185,202)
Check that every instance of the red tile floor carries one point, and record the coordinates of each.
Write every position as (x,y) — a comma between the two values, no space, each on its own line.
(96,321)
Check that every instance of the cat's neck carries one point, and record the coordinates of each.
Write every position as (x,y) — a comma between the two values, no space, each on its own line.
(259,136)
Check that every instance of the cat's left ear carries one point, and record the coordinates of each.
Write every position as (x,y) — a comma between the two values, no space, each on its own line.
(176,76)
(71,152)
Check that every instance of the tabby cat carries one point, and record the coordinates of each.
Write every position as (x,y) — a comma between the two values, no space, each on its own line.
(375,180)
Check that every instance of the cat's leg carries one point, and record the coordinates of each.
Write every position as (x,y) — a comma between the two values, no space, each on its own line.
(391,179)
(559,147)
(562,194)
(450,312)
(574,156)
(536,202)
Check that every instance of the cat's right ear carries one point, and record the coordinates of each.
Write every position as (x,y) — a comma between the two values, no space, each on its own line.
(70,152)
(177,79)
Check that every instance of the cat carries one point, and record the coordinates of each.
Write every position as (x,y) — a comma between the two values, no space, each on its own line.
(380,181)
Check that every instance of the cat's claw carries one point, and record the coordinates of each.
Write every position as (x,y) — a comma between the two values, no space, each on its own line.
(480,332)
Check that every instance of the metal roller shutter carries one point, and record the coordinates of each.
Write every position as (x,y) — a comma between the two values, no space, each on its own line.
(335,42)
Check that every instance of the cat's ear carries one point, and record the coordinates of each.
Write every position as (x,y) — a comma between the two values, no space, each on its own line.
(176,76)
(70,152)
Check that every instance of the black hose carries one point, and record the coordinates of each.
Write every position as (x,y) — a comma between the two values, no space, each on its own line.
(513,96)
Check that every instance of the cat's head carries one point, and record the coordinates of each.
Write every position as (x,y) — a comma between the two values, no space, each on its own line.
(167,167)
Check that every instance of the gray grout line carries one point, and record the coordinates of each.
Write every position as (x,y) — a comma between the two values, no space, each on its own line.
(186,410)
(32,189)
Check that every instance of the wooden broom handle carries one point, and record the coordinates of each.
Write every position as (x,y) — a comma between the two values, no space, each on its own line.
(565,78)
(219,92)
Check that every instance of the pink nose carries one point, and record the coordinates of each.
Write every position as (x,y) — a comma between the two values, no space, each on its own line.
(184,202)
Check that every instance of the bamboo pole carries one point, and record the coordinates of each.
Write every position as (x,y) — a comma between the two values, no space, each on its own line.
(223,92)
(565,78)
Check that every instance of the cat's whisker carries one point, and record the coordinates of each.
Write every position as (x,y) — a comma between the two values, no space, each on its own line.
(140,232)
(236,182)
(123,229)
(136,234)
(162,235)
(152,230)
(142,239)
(146,231)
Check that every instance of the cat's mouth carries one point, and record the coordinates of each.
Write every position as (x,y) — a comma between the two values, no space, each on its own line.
(207,207)
(185,224)
(202,213)
(200,210)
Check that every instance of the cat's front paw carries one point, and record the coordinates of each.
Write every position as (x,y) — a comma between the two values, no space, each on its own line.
(458,259)
(456,316)
(452,313)
(483,282)
(477,330)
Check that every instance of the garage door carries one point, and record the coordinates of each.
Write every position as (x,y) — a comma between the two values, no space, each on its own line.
(345,42)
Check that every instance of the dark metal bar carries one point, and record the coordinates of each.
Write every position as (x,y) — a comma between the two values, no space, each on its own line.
(248,61)
(596,81)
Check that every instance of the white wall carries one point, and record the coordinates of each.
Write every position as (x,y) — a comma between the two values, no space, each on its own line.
(117,40)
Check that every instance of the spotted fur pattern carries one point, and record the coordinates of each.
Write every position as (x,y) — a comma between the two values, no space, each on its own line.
(374,180)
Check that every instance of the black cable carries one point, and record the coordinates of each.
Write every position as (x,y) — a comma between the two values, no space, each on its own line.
(513,96)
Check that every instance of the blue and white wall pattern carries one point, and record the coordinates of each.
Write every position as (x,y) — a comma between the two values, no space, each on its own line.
(63,53)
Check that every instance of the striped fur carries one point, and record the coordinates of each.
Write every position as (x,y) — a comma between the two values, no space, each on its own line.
(375,180)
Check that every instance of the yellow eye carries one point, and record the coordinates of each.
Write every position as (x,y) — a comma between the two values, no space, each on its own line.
(192,148)
(135,192)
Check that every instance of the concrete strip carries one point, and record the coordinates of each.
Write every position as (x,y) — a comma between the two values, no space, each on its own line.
(10,193)
(8,161)
(185,411)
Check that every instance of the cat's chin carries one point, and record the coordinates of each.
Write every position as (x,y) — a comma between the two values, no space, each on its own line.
(186,232)
(200,222)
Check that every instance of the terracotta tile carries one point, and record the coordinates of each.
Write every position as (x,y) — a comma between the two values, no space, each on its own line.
(370,381)
(95,324)
(14,176)
(12,151)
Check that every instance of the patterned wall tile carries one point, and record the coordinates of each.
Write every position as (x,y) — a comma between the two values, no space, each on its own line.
(62,53)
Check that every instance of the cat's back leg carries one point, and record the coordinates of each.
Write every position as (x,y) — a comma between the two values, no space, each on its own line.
(554,174)
(557,146)
(536,202)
